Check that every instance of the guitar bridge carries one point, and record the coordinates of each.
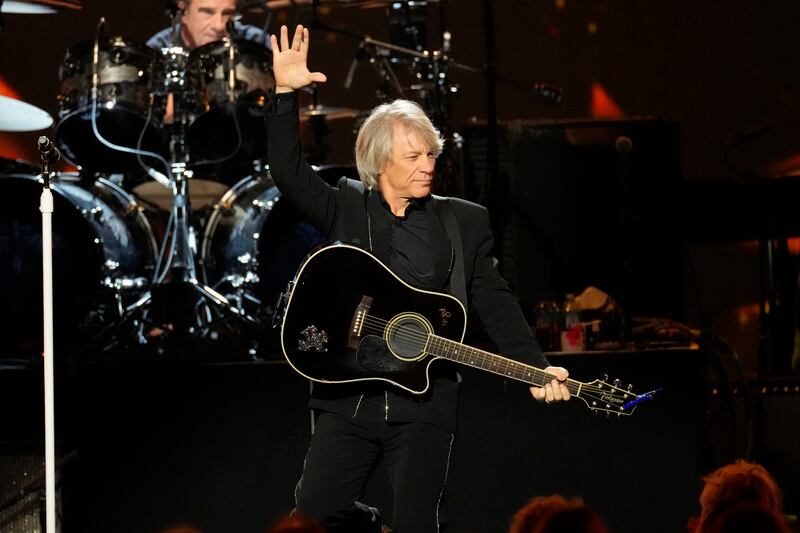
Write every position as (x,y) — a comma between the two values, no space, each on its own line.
(357,324)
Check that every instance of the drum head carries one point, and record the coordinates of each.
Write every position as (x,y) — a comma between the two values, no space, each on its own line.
(103,255)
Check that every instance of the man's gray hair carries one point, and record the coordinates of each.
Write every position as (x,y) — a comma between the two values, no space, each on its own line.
(374,142)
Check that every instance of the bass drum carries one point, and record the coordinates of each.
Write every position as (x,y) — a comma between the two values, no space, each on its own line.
(253,244)
(103,259)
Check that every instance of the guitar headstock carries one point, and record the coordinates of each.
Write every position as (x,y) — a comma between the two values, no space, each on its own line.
(611,399)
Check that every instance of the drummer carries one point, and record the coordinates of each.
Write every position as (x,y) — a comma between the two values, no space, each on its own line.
(206,21)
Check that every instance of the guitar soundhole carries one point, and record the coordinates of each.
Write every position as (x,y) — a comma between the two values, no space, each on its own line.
(406,336)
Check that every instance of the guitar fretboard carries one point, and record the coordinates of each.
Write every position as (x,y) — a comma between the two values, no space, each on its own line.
(483,360)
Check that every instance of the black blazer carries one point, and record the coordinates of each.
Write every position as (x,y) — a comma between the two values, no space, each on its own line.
(344,213)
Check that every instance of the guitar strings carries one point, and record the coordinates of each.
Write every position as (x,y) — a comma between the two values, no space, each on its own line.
(378,325)
(375,324)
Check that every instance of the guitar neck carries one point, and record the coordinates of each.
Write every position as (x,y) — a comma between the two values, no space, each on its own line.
(496,364)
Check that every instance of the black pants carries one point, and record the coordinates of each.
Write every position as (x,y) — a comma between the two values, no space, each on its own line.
(343,454)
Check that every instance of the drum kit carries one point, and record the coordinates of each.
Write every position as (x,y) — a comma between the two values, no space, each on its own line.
(151,132)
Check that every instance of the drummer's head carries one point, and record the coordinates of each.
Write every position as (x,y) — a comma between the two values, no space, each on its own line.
(204,20)
(398,145)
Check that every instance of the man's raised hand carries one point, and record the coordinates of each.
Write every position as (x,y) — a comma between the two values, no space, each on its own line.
(290,61)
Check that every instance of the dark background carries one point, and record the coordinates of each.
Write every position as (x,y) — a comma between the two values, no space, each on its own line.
(219,448)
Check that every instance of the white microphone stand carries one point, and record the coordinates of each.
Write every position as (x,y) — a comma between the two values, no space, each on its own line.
(48,152)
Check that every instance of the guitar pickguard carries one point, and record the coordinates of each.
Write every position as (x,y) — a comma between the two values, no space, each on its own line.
(373,355)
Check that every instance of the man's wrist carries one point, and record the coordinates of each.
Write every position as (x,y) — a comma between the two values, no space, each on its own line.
(279,89)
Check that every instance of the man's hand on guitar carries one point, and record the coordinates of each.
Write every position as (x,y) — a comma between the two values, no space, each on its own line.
(289,61)
(556,390)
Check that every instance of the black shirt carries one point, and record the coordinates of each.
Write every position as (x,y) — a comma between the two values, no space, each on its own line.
(413,240)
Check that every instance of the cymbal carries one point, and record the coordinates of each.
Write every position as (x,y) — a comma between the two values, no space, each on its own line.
(38,7)
(330,113)
(16,115)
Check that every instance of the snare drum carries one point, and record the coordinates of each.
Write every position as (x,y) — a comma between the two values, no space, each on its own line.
(253,244)
(103,258)
(129,74)
(233,82)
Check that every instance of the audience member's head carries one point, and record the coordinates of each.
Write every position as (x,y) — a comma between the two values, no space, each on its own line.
(555,514)
(296,523)
(747,518)
(740,482)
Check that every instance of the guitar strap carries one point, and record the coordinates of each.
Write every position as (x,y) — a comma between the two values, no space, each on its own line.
(458,282)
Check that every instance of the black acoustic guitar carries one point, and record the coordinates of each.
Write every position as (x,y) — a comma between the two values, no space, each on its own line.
(348,318)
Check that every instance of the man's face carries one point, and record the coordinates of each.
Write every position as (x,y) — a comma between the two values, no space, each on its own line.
(204,21)
(409,172)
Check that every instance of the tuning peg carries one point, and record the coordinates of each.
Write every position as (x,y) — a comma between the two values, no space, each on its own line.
(617,383)
(608,415)
(630,387)
(605,377)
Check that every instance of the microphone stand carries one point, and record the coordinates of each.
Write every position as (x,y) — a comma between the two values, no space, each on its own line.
(46,207)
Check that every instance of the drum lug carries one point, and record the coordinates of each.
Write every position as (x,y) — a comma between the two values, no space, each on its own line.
(125,284)
(280,305)
(95,213)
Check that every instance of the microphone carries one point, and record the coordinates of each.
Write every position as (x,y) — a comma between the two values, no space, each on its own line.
(48,150)
(548,93)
